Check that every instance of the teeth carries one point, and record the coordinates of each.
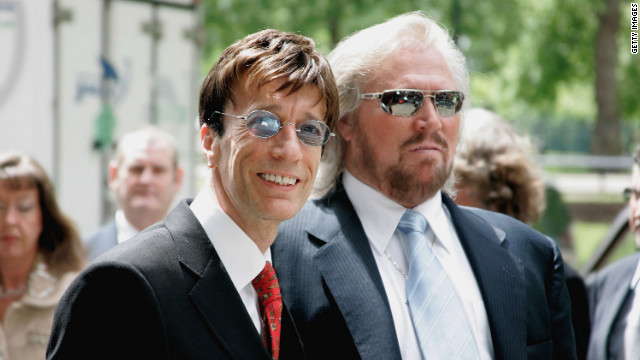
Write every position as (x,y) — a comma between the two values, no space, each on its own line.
(280,180)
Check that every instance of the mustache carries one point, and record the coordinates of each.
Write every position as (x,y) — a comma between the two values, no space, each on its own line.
(421,137)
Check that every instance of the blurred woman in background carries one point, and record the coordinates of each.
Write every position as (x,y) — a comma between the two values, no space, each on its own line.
(40,254)
(495,170)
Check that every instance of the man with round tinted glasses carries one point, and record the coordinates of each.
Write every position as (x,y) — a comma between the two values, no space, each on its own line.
(265,124)
(384,265)
(200,284)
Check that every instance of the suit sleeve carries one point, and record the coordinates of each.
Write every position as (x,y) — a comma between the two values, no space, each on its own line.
(560,306)
(108,312)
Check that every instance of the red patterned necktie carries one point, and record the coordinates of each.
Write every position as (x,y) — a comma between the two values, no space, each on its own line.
(270,300)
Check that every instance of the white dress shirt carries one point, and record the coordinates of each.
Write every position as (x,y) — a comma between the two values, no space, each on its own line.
(379,216)
(124,229)
(240,255)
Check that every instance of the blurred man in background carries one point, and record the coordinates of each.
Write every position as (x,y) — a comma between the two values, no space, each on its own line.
(144,177)
(614,297)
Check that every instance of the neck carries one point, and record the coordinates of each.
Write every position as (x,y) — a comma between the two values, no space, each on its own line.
(15,274)
(262,237)
(141,221)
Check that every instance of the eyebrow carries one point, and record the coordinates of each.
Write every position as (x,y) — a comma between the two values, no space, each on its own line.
(274,108)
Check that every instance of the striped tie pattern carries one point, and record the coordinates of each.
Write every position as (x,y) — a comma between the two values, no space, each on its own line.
(438,317)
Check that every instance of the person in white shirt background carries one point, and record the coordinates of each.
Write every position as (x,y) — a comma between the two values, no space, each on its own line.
(144,177)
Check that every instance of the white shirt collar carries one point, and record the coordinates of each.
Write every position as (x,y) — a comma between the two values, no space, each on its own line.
(125,230)
(239,254)
(380,215)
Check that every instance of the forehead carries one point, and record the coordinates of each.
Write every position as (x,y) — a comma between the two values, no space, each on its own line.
(17,187)
(154,153)
(270,94)
(422,68)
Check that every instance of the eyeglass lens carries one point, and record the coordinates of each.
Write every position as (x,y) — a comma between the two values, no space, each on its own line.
(264,124)
(407,102)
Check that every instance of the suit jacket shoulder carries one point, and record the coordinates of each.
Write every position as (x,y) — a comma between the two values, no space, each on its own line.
(166,295)
(526,271)
(608,290)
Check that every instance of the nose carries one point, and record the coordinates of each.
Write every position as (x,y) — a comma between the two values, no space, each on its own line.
(10,215)
(427,118)
(286,145)
(147,174)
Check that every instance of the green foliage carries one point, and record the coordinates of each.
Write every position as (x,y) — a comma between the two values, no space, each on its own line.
(556,220)
(531,61)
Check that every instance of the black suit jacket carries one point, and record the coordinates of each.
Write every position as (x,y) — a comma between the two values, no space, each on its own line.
(580,317)
(608,291)
(164,294)
(330,281)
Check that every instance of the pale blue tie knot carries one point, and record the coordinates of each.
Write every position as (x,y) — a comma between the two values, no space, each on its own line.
(412,221)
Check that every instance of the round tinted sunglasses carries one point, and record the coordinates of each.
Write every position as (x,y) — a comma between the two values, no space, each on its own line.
(406,102)
(264,124)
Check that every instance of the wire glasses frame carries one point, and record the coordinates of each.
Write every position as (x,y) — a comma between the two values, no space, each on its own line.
(265,124)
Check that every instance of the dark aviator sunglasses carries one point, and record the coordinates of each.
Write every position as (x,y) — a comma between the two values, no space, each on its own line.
(406,102)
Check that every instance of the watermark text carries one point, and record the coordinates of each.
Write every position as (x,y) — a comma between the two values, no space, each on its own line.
(634,28)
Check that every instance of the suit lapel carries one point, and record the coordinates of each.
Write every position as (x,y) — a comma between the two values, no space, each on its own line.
(617,299)
(500,278)
(349,269)
(214,295)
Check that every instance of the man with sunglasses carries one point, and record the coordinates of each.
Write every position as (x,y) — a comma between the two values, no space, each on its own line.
(614,294)
(384,265)
(200,284)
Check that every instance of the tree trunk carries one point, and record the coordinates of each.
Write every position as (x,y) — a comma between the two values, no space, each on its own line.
(606,134)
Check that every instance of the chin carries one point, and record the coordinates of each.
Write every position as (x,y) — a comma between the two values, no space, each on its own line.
(282,213)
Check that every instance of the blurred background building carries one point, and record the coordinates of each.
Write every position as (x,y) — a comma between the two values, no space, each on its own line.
(75,74)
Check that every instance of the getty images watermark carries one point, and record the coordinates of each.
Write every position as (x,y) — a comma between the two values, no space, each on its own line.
(634,28)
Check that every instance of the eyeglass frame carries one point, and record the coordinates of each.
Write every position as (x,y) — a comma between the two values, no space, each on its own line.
(280,126)
(629,193)
(431,94)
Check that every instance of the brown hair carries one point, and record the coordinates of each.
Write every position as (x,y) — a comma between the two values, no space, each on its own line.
(497,165)
(59,245)
(264,57)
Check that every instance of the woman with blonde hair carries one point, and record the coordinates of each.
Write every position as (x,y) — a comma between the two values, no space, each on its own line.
(40,254)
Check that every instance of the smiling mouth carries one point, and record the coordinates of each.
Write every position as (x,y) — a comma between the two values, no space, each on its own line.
(278,179)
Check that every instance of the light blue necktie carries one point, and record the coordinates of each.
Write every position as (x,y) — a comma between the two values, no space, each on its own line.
(437,313)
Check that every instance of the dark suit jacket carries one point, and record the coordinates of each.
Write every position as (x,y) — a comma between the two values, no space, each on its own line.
(330,281)
(608,292)
(164,294)
(579,310)
(101,240)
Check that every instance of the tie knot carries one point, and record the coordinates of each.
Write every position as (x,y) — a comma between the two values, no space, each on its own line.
(266,284)
(412,221)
